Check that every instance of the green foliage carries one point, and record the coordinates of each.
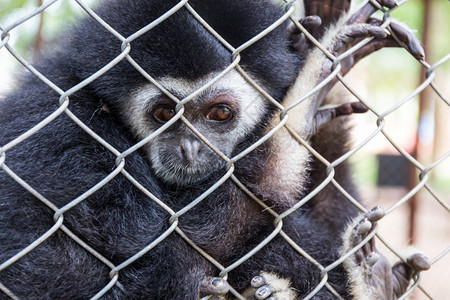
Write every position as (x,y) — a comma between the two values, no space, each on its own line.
(412,14)
(6,6)
(55,18)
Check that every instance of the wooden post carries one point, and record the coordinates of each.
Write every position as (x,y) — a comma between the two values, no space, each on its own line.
(424,106)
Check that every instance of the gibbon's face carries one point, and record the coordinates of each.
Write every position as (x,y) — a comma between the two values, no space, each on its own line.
(224,114)
(182,55)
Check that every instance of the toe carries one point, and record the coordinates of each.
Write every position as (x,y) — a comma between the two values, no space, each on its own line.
(375,214)
(258,281)
(363,227)
(214,286)
(264,292)
(372,259)
(419,262)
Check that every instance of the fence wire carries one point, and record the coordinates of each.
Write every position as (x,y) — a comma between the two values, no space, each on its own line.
(125,44)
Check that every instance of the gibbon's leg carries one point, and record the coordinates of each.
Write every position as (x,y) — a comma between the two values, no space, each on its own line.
(370,274)
(338,40)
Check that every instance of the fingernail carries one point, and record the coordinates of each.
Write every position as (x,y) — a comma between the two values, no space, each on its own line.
(372,258)
(263,292)
(257,281)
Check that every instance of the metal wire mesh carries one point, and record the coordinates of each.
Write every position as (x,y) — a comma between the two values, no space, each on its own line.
(174,215)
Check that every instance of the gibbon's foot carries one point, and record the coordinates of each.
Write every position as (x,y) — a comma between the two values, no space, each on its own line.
(215,286)
(268,286)
(371,276)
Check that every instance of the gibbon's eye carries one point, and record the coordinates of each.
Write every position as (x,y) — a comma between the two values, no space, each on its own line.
(219,113)
(164,114)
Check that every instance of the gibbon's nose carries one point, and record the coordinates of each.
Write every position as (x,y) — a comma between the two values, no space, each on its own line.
(190,148)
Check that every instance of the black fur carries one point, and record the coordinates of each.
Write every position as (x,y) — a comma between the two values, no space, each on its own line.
(61,162)
(316,227)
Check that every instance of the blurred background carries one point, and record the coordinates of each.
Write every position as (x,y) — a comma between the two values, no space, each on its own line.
(420,127)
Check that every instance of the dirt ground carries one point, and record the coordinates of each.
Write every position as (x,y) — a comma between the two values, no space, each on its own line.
(433,236)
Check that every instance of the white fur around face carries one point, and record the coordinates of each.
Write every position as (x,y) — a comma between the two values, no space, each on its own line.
(251,102)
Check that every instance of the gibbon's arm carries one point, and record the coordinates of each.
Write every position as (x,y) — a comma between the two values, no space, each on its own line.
(370,274)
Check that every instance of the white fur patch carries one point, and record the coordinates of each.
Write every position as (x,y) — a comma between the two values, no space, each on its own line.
(287,167)
(299,6)
(299,11)
(358,287)
(282,286)
(289,159)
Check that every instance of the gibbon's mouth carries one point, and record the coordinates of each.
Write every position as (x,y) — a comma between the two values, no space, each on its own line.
(183,175)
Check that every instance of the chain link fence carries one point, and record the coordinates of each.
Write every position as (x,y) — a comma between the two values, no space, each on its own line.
(423,171)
